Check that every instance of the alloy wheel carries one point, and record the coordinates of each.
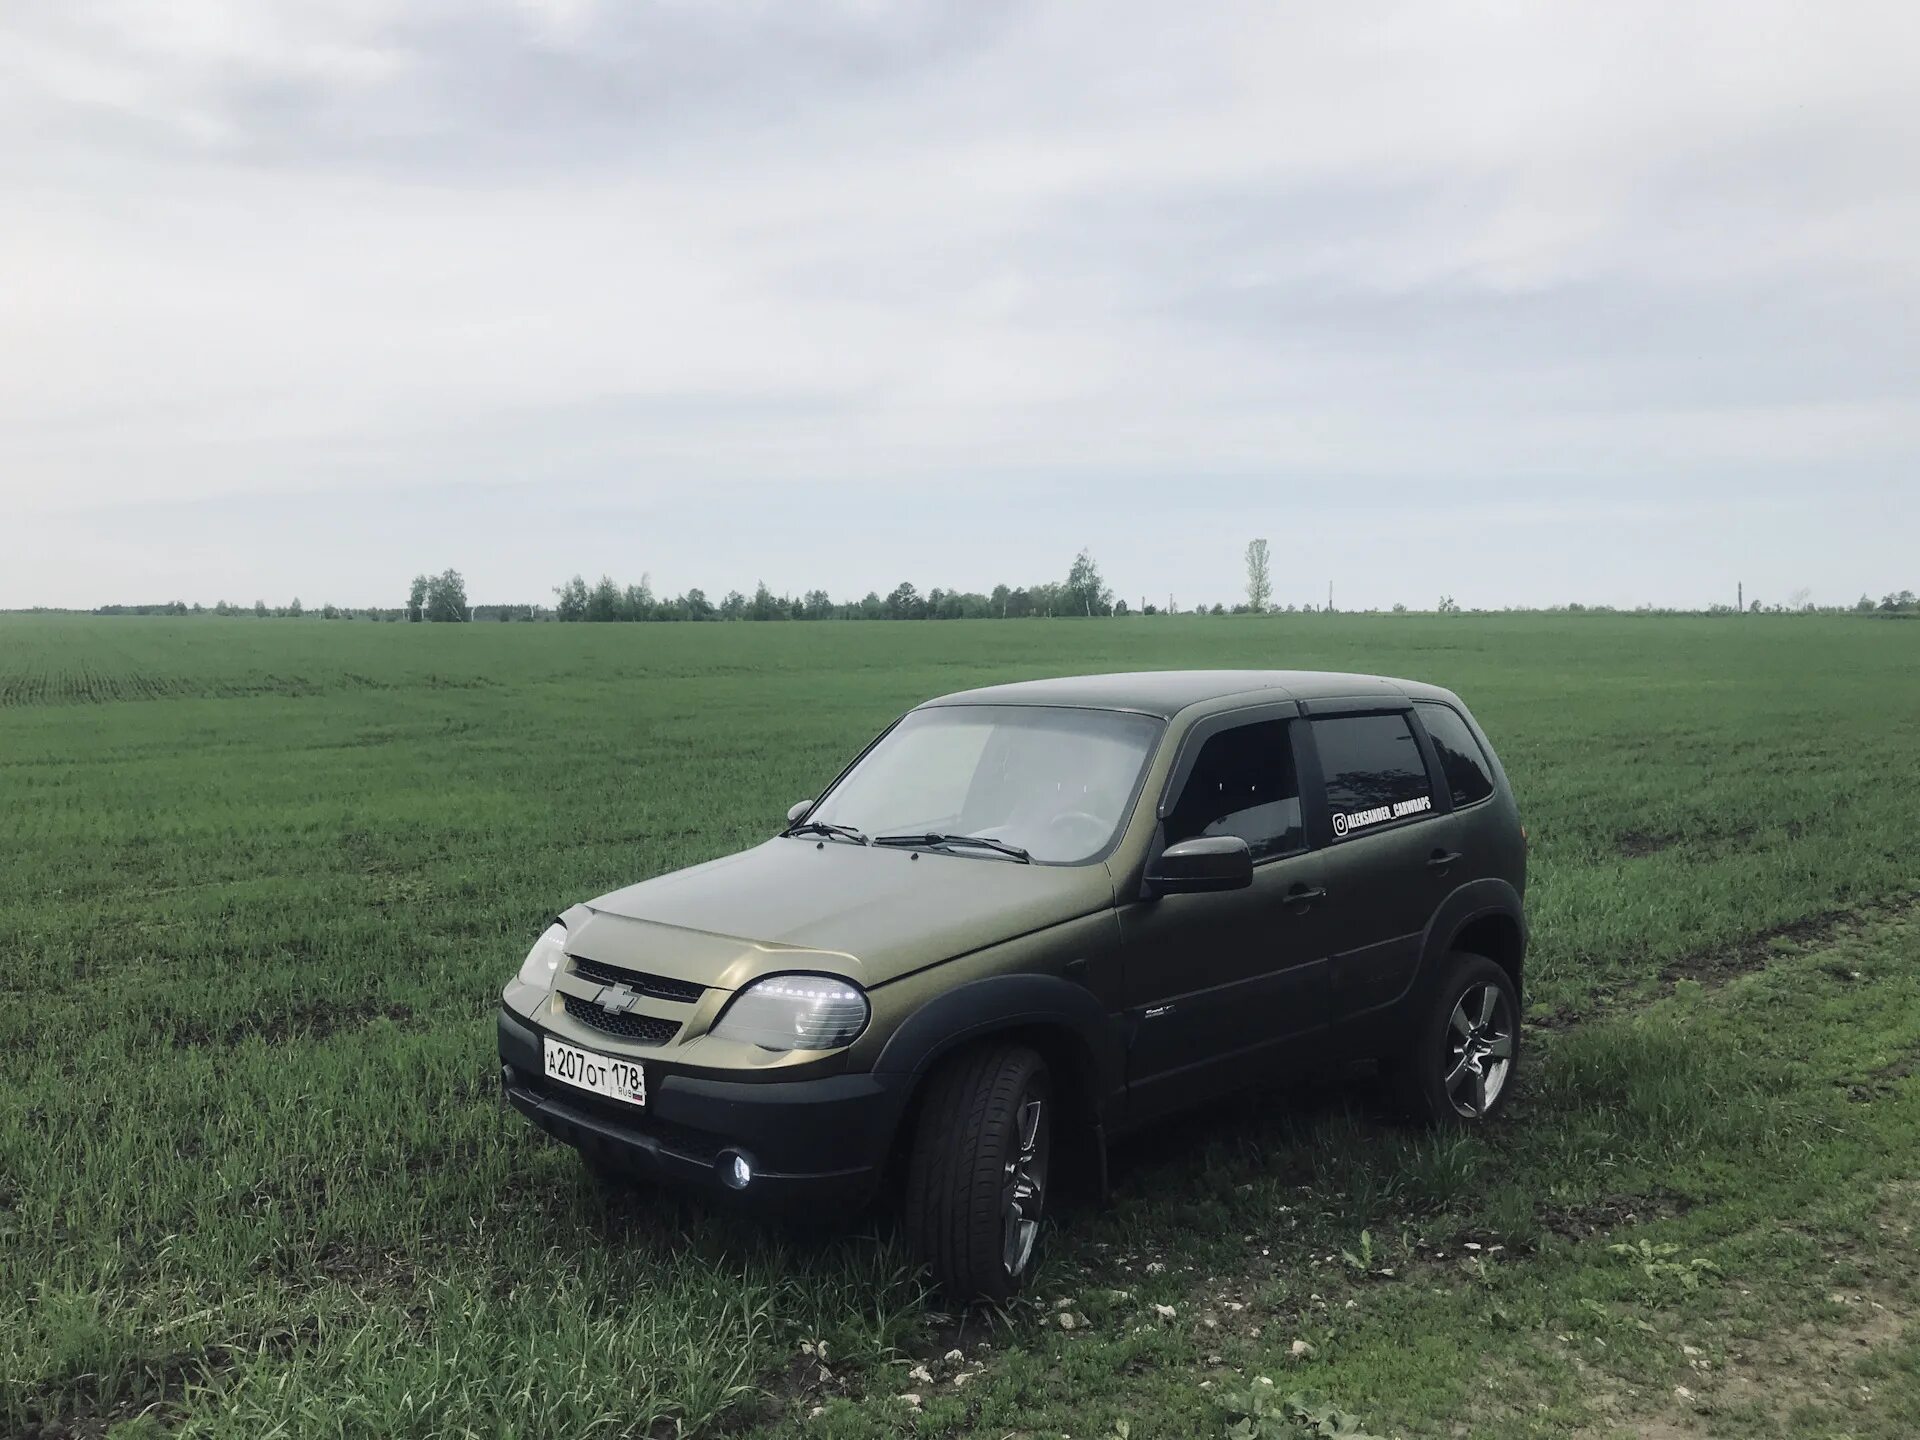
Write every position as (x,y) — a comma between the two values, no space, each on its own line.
(1479,1054)
(1025,1190)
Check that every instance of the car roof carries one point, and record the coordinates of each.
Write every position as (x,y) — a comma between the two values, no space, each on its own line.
(1167,692)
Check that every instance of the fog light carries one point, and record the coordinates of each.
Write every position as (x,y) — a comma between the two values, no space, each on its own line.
(735,1170)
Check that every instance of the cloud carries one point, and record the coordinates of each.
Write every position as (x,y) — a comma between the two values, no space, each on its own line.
(655,259)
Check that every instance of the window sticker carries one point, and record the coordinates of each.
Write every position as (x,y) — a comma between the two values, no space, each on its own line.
(1359,819)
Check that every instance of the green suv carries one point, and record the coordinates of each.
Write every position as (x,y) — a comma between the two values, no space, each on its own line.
(1028,918)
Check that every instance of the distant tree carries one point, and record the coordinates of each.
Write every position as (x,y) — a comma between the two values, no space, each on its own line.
(329,611)
(1399,607)
(603,601)
(1864,604)
(293,609)
(1218,609)
(1449,606)
(260,608)
(818,605)
(1120,608)
(1086,592)
(696,605)
(905,603)
(764,606)
(636,601)
(447,597)
(1259,578)
(571,599)
(734,606)
(417,597)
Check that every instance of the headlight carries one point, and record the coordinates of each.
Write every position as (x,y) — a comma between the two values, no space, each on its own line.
(795,1012)
(545,956)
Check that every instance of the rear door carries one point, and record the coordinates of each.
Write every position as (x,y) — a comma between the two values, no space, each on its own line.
(1387,835)
(1216,984)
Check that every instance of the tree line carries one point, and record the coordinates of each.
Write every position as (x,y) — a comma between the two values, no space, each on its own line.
(1084,592)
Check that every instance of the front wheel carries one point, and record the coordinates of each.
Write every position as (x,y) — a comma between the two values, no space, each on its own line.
(977,1177)
(1466,1045)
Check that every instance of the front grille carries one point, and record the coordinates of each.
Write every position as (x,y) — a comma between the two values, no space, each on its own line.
(657,987)
(645,1028)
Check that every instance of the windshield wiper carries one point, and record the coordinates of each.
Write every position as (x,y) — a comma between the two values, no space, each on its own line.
(826,827)
(938,837)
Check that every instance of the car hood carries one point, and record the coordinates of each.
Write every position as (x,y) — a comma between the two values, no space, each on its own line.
(869,913)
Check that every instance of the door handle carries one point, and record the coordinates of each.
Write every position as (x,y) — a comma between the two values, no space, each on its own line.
(1305,895)
(1440,859)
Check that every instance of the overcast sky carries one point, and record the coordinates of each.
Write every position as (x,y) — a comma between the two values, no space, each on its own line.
(1523,303)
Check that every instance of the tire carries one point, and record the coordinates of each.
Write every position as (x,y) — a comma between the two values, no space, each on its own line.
(977,1175)
(1466,1045)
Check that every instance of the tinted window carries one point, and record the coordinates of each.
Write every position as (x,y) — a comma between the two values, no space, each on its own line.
(1462,761)
(1243,784)
(1373,769)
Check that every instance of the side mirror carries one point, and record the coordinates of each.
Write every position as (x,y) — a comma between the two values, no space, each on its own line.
(1195,867)
(797,809)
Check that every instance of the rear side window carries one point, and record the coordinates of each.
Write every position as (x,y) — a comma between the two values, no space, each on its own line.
(1462,761)
(1243,783)
(1374,773)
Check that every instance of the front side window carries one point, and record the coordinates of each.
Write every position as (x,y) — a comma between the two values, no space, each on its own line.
(1462,761)
(1243,783)
(1373,769)
(1056,782)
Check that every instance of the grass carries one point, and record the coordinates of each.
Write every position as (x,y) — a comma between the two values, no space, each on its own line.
(261,883)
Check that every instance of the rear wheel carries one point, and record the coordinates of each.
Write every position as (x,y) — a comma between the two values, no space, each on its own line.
(1466,1045)
(977,1176)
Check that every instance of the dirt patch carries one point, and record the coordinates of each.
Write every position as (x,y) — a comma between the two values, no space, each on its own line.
(1638,844)
(1811,1365)
(303,1020)
(1601,1217)
(1880,1083)
(157,1390)
(1717,966)
(1808,1366)
(366,1270)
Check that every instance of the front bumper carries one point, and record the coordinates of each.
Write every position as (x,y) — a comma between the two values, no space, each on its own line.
(806,1140)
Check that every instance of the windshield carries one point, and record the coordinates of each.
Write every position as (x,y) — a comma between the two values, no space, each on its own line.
(1055,782)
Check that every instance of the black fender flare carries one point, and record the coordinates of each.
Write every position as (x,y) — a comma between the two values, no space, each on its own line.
(1473,901)
(983,1007)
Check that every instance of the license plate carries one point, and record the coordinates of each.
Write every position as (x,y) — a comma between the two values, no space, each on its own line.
(606,1075)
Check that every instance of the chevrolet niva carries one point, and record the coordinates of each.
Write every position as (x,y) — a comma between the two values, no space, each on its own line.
(1027,919)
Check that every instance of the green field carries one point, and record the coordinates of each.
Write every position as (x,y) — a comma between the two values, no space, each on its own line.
(261,881)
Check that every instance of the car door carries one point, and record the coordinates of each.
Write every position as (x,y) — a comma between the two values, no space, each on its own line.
(1216,984)
(1387,838)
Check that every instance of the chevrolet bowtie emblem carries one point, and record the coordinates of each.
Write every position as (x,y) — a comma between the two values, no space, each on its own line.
(615,999)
